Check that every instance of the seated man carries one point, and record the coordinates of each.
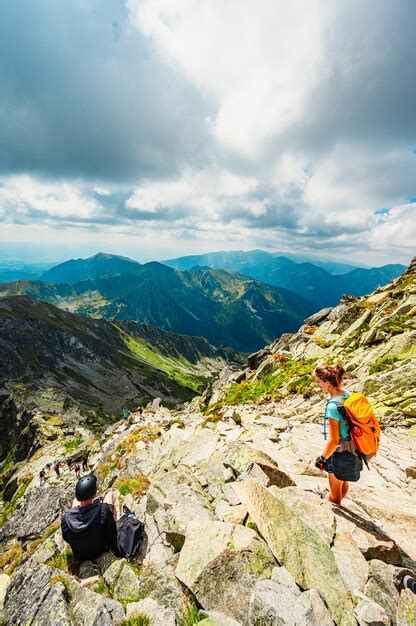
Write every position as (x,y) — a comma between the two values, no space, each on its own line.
(89,526)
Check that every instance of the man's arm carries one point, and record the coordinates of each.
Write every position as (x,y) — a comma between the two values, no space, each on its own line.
(111,530)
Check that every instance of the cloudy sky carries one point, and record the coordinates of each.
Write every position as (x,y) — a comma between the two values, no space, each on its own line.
(168,127)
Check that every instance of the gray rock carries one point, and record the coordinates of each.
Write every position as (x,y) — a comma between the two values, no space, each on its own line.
(369,613)
(162,585)
(406,611)
(54,609)
(158,614)
(112,572)
(127,586)
(350,561)
(299,548)
(285,579)
(87,608)
(220,564)
(315,611)
(381,587)
(30,597)
(272,603)
(40,508)
(230,495)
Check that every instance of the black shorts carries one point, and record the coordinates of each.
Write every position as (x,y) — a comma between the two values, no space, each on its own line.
(328,465)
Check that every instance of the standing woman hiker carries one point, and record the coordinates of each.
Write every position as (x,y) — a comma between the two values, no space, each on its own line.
(339,448)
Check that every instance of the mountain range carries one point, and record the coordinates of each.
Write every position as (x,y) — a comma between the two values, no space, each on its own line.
(98,364)
(96,266)
(225,307)
(322,283)
(240,529)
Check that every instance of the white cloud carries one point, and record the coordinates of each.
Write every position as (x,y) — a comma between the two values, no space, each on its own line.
(258,61)
(22,196)
(274,124)
(208,192)
(396,229)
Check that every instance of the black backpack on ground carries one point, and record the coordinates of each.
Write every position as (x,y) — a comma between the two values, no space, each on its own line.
(132,538)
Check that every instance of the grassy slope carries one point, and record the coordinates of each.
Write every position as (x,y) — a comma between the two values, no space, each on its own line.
(373,337)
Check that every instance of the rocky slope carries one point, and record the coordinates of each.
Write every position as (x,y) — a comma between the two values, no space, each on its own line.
(239,529)
(373,337)
(226,308)
(62,370)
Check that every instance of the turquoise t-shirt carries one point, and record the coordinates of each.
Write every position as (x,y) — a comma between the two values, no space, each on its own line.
(333,413)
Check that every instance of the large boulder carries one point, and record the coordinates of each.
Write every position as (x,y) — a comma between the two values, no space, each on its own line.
(241,458)
(275,603)
(299,548)
(220,563)
(314,511)
(381,587)
(350,561)
(161,585)
(32,599)
(199,447)
(158,614)
(87,608)
(41,507)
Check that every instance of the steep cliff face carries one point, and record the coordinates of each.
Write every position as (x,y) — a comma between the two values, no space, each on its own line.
(373,337)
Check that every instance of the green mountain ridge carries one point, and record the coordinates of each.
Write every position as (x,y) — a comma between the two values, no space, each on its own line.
(100,264)
(225,307)
(311,280)
(96,364)
(373,336)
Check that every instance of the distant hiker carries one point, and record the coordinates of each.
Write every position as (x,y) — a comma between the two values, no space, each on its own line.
(69,463)
(339,457)
(41,477)
(89,526)
(85,463)
(57,469)
(77,470)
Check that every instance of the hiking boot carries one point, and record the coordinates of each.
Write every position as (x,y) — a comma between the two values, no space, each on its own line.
(409,583)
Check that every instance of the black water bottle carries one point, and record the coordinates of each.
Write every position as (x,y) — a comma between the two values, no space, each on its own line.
(409,583)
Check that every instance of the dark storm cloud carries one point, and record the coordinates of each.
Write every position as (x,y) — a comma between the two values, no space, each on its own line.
(82,94)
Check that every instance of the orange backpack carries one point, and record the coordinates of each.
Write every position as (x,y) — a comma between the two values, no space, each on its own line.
(363,425)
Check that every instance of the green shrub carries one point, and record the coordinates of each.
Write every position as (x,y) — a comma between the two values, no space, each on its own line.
(383,363)
(137,620)
(62,561)
(190,615)
(289,377)
(73,444)
(136,486)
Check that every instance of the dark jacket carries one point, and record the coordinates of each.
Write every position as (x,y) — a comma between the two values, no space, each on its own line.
(90,530)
